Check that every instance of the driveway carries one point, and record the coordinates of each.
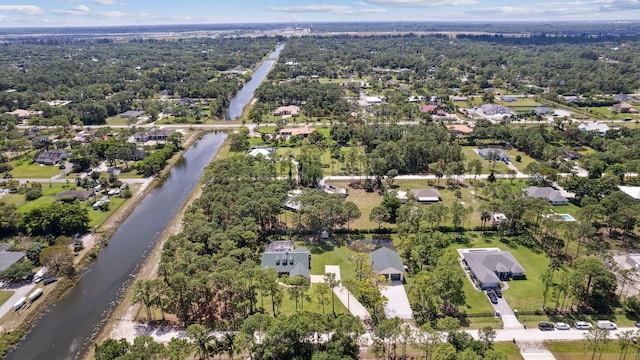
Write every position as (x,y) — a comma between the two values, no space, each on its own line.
(346,298)
(18,292)
(397,304)
(509,319)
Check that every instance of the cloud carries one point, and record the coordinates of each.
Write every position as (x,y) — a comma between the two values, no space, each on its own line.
(105,2)
(22,9)
(81,8)
(332,9)
(421,3)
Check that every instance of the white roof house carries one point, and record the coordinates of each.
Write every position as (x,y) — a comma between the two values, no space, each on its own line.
(373,100)
(597,127)
(633,191)
(264,152)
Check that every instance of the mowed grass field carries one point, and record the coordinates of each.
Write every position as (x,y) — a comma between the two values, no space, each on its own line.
(26,168)
(577,350)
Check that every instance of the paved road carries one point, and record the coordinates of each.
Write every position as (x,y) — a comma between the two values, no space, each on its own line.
(537,335)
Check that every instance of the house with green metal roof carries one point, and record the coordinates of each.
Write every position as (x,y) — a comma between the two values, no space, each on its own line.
(387,262)
(287,260)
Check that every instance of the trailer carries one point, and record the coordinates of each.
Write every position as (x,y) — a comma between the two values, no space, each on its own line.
(20,303)
(35,295)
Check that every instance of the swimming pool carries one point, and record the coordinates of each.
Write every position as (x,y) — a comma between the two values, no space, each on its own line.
(566,217)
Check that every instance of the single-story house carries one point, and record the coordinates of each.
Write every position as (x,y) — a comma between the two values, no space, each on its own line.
(457,98)
(52,157)
(373,100)
(290,110)
(459,129)
(264,152)
(131,114)
(489,267)
(429,109)
(573,155)
(427,196)
(82,195)
(623,97)
(625,108)
(633,191)
(571,98)
(509,98)
(287,260)
(153,135)
(387,262)
(596,127)
(547,193)
(494,109)
(24,114)
(291,203)
(302,131)
(542,110)
(493,154)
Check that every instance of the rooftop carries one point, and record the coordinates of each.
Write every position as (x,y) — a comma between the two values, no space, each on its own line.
(385,258)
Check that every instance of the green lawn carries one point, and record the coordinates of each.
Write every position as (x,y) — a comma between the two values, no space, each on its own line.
(520,103)
(576,350)
(328,254)
(525,295)
(98,216)
(487,166)
(25,168)
(507,348)
(288,305)
(5,295)
(604,112)
(526,159)
(118,121)
(566,209)
(365,202)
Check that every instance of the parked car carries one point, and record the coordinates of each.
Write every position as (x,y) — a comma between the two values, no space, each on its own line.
(583,325)
(607,325)
(637,323)
(562,326)
(49,280)
(492,296)
(545,326)
(498,292)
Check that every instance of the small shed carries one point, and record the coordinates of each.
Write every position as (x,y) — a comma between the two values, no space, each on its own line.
(387,262)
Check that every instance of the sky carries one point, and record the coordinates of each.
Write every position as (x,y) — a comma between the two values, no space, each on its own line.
(48,13)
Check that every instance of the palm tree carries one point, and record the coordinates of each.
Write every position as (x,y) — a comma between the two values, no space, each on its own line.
(202,341)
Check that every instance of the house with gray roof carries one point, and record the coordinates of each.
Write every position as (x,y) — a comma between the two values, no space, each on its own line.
(387,262)
(71,195)
(493,154)
(426,196)
(489,267)
(547,193)
(8,258)
(287,260)
(495,109)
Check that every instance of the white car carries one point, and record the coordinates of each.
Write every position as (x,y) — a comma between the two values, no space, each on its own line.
(583,325)
(562,326)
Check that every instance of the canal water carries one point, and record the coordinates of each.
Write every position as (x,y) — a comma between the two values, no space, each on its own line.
(68,328)
(244,96)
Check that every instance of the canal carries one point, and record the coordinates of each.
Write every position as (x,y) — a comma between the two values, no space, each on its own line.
(244,96)
(69,327)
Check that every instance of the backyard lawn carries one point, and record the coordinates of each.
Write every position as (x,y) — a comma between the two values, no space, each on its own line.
(327,254)
(524,161)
